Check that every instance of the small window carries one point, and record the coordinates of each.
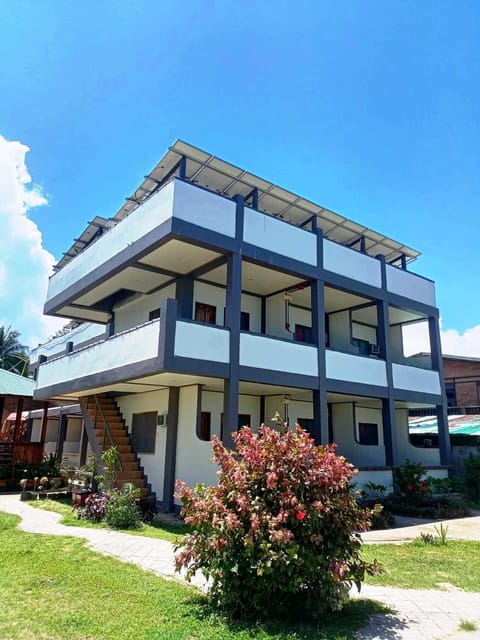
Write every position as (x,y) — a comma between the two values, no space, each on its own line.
(205,313)
(368,433)
(144,432)
(204,428)
(451,394)
(244,420)
(244,321)
(154,314)
(306,423)
(303,333)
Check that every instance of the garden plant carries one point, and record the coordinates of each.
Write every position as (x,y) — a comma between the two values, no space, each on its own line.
(279,535)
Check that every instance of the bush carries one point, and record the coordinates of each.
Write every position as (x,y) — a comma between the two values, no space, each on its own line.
(122,511)
(472,477)
(279,533)
(409,482)
(95,507)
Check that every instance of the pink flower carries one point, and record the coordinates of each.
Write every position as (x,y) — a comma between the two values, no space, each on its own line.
(301,515)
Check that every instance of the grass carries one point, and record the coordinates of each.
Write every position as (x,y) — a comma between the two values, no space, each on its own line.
(162,530)
(467,625)
(54,588)
(416,565)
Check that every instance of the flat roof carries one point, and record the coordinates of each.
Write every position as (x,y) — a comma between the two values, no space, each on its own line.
(219,176)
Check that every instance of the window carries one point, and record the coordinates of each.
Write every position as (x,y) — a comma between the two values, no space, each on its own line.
(154,314)
(303,333)
(368,433)
(306,423)
(205,313)
(144,431)
(244,321)
(204,427)
(451,394)
(244,420)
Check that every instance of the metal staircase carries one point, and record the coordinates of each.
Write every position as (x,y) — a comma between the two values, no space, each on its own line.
(106,428)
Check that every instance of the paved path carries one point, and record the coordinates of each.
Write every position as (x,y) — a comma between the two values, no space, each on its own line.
(410,528)
(419,615)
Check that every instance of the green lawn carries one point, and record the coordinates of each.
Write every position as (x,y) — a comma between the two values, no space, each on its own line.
(161,530)
(55,588)
(416,565)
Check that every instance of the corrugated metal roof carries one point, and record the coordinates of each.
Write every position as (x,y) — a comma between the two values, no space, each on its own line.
(11,384)
(457,425)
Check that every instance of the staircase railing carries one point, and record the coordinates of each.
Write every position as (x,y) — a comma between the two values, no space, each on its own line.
(90,427)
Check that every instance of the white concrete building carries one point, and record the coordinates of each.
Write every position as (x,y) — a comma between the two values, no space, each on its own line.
(214,298)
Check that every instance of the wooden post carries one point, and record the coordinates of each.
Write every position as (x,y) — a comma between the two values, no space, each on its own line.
(18,419)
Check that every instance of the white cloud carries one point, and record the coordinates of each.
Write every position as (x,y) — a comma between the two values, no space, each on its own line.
(453,343)
(24,263)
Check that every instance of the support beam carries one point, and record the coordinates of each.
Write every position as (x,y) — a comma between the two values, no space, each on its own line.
(171,449)
(441,410)
(18,420)
(62,433)
(83,446)
(232,322)
(320,407)
(389,432)
(185,297)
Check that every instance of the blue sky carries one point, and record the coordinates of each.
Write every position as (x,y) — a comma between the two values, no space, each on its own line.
(370,108)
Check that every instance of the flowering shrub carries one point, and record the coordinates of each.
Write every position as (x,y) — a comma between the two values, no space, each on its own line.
(95,507)
(409,481)
(279,533)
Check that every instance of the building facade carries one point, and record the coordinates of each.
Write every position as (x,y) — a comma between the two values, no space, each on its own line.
(214,299)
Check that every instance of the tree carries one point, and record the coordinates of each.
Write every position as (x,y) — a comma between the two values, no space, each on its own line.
(13,354)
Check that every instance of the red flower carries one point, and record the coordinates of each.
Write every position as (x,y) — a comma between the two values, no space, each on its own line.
(424,488)
(410,487)
(301,515)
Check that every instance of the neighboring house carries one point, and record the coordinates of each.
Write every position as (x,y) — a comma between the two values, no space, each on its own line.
(220,298)
(16,398)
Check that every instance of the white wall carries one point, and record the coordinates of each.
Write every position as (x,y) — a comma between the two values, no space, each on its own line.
(275,324)
(364,332)
(213,402)
(146,217)
(204,208)
(136,311)
(352,264)
(202,341)
(362,369)
(339,332)
(378,477)
(154,463)
(296,410)
(268,353)
(345,434)
(406,450)
(253,306)
(279,236)
(119,350)
(193,455)
(416,379)
(410,285)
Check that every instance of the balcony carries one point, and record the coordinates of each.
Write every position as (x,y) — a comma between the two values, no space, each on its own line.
(357,369)
(104,362)
(415,379)
(278,355)
(410,285)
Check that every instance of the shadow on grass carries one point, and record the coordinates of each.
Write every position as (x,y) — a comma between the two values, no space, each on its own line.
(341,625)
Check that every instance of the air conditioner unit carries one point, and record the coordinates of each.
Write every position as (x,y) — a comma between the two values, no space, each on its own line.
(162,419)
(374,350)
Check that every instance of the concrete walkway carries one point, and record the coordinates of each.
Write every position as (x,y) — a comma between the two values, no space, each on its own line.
(419,615)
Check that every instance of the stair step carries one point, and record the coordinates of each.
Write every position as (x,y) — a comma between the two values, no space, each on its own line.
(128,475)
